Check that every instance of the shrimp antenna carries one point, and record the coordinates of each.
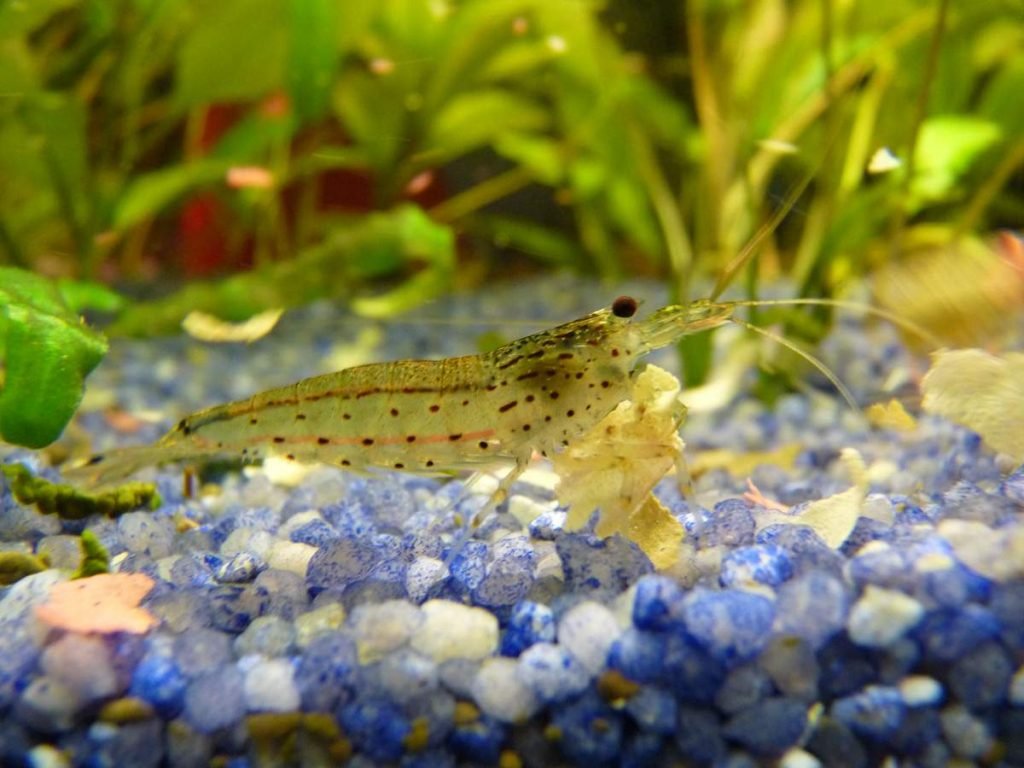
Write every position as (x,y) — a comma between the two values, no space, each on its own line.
(824,369)
(901,322)
(764,231)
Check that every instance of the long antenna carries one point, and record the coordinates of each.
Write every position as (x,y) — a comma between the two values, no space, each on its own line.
(908,325)
(824,369)
(763,232)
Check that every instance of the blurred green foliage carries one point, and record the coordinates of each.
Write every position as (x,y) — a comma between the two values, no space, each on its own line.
(347,148)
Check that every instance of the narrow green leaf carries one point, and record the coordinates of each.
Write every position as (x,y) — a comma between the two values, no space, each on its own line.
(149,194)
(312,55)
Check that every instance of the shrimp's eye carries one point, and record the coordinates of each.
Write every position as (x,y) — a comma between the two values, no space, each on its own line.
(624,306)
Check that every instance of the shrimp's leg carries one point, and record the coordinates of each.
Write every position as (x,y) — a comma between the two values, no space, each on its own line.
(501,492)
(684,479)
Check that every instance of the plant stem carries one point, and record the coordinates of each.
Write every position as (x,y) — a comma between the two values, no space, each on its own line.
(481,195)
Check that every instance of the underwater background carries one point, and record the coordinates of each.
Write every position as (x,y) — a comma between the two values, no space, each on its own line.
(202,202)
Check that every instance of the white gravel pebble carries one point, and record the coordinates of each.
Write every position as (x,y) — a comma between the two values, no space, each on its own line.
(270,687)
(920,691)
(882,616)
(452,630)
(500,692)
(381,628)
(587,631)
(290,556)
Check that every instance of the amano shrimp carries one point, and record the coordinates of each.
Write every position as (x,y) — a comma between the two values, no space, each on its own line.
(537,393)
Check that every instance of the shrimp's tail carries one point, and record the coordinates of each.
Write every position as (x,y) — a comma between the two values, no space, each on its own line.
(115,465)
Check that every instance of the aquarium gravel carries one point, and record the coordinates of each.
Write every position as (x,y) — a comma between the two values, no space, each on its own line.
(327,617)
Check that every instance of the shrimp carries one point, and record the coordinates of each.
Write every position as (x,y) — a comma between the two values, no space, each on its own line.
(535,394)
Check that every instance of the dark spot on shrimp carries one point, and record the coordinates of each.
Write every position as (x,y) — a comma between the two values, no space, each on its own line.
(435,408)
(322,440)
(527,375)
(300,417)
(570,413)
(367,441)
(94,460)
(430,463)
(508,406)
(535,355)
(456,437)
(410,439)
(526,427)
(491,387)
(483,444)
(465,402)
(624,306)
(553,395)
(399,465)
(394,411)
(346,416)
(615,352)
(290,456)
(278,439)
(346,463)
(605,384)
(547,418)
(566,356)
(579,375)
(254,420)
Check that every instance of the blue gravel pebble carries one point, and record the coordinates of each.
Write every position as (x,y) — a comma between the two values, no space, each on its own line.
(812,606)
(806,548)
(731,625)
(326,673)
(732,524)
(653,709)
(766,564)
(528,623)
(591,731)
(508,575)
(160,681)
(876,711)
(639,655)
(479,742)
(691,672)
(338,564)
(742,688)
(377,728)
(232,608)
(947,634)
(698,735)
(215,700)
(769,727)
(552,672)
(657,603)
(316,533)
(608,565)
(981,677)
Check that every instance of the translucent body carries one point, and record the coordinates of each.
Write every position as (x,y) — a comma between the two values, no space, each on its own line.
(533,394)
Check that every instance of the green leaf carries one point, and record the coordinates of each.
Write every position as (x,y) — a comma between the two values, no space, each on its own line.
(312,55)
(20,17)
(80,295)
(545,158)
(149,194)
(479,118)
(48,354)
(540,242)
(236,52)
(946,148)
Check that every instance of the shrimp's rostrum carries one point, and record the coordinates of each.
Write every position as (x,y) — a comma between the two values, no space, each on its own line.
(533,394)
